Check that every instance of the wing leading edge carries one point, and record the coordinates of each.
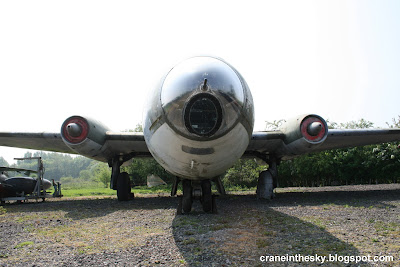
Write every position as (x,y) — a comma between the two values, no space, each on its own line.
(37,141)
(115,144)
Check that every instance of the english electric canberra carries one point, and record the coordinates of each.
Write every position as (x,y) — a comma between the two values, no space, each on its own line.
(198,123)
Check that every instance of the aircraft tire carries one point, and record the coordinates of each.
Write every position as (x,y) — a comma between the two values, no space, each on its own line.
(187,199)
(206,199)
(123,187)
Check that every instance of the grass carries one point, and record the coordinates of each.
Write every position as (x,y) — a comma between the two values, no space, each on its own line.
(24,244)
(88,192)
(189,241)
(2,210)
(101,191)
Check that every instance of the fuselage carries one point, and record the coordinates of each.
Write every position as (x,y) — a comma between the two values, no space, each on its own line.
(200,118)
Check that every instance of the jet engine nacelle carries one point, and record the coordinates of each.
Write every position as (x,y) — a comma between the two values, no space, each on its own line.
(84,135)
(304,133)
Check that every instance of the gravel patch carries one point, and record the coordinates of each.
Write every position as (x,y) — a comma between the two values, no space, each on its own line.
(100,231)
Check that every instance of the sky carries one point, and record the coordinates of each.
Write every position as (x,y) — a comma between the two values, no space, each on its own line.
(337,59)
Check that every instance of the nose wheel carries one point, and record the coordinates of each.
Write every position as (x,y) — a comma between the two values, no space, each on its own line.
(196,190)
(187,199)
(206,197)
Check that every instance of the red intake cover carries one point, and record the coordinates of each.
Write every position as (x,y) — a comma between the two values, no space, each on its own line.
(75,139)
(304,127)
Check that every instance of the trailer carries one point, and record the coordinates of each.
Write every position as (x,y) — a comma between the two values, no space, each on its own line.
(27,188)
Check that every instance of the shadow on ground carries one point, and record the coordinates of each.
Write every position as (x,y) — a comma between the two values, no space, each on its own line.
(246,229)
(145,231)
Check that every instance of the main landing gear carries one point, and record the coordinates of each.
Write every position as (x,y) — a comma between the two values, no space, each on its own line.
(124,187)
(196,190)
(120,181)
(268,181)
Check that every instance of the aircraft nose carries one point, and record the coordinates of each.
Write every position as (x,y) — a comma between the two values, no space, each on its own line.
(74,129)
(314,128)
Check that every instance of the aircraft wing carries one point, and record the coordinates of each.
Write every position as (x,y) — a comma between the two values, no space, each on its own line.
(114,143)
(38,141)
(360,137)
(4,169)
(278,144)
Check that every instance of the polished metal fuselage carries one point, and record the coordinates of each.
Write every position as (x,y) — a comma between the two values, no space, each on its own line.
(188,154)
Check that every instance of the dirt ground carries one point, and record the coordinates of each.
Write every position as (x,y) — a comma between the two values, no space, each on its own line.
(300,226)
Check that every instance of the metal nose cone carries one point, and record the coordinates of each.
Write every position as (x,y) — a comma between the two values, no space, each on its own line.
(74,129)
(314,128)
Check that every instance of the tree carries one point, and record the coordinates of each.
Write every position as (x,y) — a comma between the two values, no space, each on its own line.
(359,165)
(140,168)
(56,165)
(102,173)
(275,125)
(244,173)
(3,162)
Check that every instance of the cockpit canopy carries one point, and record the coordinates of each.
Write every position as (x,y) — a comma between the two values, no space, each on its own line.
(203,97)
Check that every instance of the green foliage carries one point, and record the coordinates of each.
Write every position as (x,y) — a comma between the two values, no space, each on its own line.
(103,174)
(88,191)
(360,165)
(3,162)
(2,210)
(361,124)
(56,165)
(24,244)
(78,183)
(99,190)
(139,169)
(97,174)
(395,123)
(244,173)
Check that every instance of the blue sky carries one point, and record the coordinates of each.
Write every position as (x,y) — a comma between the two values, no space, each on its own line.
(338,59)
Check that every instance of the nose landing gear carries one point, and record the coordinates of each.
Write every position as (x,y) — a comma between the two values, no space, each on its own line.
(197,190)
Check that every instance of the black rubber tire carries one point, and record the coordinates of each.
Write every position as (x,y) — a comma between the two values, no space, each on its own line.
(187,199)
(206,199)
(123,187)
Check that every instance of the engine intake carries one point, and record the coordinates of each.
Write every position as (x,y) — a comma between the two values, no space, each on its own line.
(314,128)
(75,130)
(84,135)
(304,133)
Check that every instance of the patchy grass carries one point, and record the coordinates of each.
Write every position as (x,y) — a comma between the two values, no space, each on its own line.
(101,191)
(2,210)
(243,230)
(189,241)
(24,244)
